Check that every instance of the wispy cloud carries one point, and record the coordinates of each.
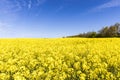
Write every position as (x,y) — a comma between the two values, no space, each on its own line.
(36,3)
(29,4)
(7,6)
(110,4)
(10,14)
(11,9)
(18,5)
(39,2)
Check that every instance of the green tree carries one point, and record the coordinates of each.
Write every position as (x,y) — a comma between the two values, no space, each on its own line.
(104,32)
(112,31)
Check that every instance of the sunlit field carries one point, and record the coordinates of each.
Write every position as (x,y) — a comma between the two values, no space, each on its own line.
(60,59)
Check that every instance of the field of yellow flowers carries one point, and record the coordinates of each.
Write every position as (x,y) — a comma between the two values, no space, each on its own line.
(60,59)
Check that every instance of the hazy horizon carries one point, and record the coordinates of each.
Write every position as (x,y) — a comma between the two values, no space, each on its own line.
(55,18)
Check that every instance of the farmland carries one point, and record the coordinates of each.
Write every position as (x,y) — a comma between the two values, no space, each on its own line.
(60,59)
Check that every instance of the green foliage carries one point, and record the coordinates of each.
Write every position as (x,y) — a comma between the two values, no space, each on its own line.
(111,31)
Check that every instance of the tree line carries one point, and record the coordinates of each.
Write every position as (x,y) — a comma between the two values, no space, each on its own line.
(108,31)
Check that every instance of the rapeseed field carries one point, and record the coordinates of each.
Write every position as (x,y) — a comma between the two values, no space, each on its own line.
(60,59)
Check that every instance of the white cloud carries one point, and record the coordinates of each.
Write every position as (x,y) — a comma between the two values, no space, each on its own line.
(111,3)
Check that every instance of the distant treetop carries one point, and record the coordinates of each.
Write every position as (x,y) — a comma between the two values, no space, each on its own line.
(107,31)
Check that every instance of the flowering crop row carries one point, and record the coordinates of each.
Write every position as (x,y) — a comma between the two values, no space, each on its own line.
(60,59)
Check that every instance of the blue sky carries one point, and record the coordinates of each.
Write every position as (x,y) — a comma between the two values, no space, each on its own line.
(55,18)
